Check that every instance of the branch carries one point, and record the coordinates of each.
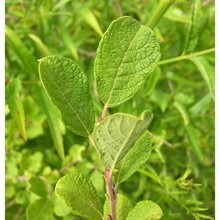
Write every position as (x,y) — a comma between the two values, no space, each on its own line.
(111,193)
(72,163)
(159,12)
(185,57)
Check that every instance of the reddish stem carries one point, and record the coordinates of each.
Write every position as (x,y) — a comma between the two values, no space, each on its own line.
(111,193)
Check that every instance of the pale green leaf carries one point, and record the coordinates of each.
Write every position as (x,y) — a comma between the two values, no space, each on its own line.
(177,15)
(59,207)
(206,71)
(117,134)
(15,105)
(145,210)
(27,60)
(54,121)
(193,33)
(68,88)
(69,43)
(153,79)
(202,105)
(128,52)
(40,210)
(123,207)
(135,158)
(90,19)
(80,195)
(42,48)
(194,141)
(39,187)
(182,110)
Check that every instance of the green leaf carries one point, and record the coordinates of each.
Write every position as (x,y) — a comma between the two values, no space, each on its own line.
(15,105)
(60,208)
(26,58)
(206,71)
(80,195)
(42,48)
(68,89)
(40,210)
(193,33)
(123,207)
(54,121)
(202,105)
(116,136)
(145,210)
(69,42)
(153,79)
(39,187)
(135,158)
(182,110)
(194,141)
(90,19)
(161,98)
(128,52)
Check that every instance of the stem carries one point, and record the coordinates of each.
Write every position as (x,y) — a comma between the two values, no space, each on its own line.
(185,57)
(104,112)
(111,193)
(159,12)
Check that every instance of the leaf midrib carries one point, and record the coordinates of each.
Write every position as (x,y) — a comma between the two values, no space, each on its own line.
(113,84)
(69,104)
(122,147)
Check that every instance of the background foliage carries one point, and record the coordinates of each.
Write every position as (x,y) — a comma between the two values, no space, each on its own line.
(179,174)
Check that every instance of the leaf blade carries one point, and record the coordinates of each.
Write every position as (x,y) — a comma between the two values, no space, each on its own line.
(135,158)
(193,33)
(145,210)
(54,120)
(206,72)
(68,89)
(80,195)
(117,134)
(127,54)
(16,106)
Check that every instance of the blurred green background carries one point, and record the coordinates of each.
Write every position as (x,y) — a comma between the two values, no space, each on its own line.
(179,175)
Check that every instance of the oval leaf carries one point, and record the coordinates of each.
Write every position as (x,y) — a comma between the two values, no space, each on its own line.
(117,134)
(145,210)
(40,210)
(80,195)
(68,88)
(127,54)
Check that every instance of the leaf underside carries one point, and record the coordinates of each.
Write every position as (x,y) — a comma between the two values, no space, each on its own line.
(128,52)
(116,136)
(68,89)
(80,195)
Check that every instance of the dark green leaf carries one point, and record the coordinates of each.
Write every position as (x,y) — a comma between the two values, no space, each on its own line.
(68,88)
